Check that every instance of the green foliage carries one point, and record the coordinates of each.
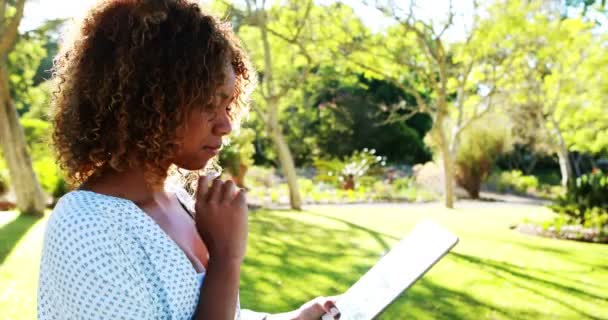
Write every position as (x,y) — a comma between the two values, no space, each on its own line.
(239,152)
(266,189)
(481,144)
(353,109)
(513,181)
(585,201)
(556,88)
(51,177)
(37,137)
(23,62)
(359,164)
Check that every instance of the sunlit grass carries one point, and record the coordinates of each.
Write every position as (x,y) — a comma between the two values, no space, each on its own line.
(20,244)
(493,273)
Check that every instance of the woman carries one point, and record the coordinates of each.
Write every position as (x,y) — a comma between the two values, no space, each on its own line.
(144,86)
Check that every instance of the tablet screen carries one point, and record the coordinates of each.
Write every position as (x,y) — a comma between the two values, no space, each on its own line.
(395,272)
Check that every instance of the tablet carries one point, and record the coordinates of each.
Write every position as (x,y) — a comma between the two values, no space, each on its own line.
(401,267)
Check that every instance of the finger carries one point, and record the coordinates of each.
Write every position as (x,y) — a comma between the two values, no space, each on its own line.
(202,188)
(330,306)
(241,197)
(228,190)
(214,193)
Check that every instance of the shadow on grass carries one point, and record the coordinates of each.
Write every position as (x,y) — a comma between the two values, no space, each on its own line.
(12,232)
(314,260)
(518,276)
(429,300)
(290,261)
(601,262)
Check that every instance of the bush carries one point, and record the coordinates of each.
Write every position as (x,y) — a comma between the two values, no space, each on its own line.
(61,187)
(480,147)
(364,163)
(512,181)
(403,183)
(50,177)
(37,133)
(586,200)
(237,156)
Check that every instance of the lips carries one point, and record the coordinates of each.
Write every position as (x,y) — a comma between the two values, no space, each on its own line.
(212,150)
(218,147)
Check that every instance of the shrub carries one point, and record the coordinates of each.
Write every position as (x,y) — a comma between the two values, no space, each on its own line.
(513,181)
(480,147)
(37,133)
(237,156)
(403,183)
(61,187)
(586,200)
(360,164)
(47,172)
(50,177)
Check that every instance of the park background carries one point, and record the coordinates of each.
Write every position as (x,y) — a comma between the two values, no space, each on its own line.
(488,117)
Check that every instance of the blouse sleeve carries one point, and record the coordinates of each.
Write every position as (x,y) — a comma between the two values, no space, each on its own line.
(84,274)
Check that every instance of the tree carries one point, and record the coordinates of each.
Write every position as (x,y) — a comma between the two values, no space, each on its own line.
(556,88)
(456,83)
(286,42)
(355,113)
(30,199)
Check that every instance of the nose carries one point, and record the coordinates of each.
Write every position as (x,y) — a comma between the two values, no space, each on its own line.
(222,124)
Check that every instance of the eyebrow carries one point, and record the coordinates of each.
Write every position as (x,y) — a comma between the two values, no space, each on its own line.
(224,95)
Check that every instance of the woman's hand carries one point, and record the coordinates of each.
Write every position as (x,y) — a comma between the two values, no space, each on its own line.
(316,308)
(221,219)
(311,310)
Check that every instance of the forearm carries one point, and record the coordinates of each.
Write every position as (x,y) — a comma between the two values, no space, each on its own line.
(218,296)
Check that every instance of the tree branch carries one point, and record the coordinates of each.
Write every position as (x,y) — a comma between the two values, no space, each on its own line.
(422,105)
(9,35)
(449,22)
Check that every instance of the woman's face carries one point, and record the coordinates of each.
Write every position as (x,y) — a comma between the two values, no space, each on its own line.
(201,135)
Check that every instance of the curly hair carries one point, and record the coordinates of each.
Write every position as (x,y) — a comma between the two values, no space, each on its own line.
(129,75)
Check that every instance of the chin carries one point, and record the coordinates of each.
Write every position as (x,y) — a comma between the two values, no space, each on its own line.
(193,165)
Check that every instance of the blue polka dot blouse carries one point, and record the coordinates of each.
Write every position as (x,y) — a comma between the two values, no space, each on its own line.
(104,258)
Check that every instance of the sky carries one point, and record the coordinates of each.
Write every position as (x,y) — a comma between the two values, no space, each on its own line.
(38,11)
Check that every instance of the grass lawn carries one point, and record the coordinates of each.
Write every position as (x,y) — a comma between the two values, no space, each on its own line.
(493,273)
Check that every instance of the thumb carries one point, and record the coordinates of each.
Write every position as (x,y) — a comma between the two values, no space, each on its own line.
(202,188)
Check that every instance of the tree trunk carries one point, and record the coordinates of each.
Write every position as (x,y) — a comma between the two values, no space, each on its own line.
(565,165)
(448,163)
(30,199)
(285,158)
(272,122)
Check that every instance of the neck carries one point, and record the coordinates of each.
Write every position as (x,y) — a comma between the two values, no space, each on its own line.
(129,184)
